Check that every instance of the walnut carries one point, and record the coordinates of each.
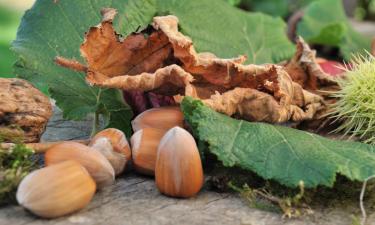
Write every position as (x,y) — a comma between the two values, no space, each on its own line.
(23,107)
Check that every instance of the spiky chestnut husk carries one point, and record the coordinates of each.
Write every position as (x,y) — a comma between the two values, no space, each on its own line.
(355,107)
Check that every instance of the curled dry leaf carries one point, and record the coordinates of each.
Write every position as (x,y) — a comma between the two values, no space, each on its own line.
(222,72)
(169,80)
(163,60)
(305,70)
(23,107)
(107,55)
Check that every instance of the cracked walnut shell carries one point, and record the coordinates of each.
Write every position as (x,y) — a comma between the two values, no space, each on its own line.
(23,107)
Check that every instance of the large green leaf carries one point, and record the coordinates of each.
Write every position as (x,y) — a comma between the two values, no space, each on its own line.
(282,8)
(275,152)
(324,22)
(217,27)
(50,29)
(272,7)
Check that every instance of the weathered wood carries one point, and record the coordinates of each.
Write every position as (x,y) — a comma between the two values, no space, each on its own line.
(134,199)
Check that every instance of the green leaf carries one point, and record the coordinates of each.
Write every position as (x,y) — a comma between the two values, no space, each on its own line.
(282,8)
(233,2)
(57,29)
(217,27)
(272,7)
(275,152)
(324,22)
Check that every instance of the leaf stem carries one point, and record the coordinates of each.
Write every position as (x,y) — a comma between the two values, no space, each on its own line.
(95,124)
(361,205)
(96,121)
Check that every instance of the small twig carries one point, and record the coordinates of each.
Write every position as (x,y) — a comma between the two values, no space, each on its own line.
(363,210)
(70,63)
(292,24)
(267,196)
(41,147)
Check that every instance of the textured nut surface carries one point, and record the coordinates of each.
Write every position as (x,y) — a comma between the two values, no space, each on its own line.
(56,190)
(118,140)
(145,144)
(116,159)
(25,107)
(96,164)
(178,169)
(162,118)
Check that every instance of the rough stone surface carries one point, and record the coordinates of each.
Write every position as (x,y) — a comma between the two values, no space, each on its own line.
(135,200)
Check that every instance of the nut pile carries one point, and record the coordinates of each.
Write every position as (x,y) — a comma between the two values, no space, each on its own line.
(160,148)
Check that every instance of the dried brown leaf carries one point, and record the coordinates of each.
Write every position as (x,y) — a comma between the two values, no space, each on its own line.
(290,102)
(305,70)
(138,63)
(107,55)
(213,69)
(169,80)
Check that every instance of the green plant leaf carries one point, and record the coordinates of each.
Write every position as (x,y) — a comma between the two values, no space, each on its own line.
(233,2)
(275,152)
(282,8)
(324,22)
(57,29)
(217,27)
(272,7)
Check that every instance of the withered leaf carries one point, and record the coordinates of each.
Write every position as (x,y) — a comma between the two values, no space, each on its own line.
(305,70)
(108,56)
(211,68)
(288,102)
(168,80)
(254,92)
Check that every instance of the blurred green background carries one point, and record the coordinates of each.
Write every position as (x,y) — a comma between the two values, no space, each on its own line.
(11,12)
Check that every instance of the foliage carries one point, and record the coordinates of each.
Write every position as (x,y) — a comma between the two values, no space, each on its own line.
(278,153)
(229,32)
(234,2)
(50,29)
(324,22)
(281,8)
